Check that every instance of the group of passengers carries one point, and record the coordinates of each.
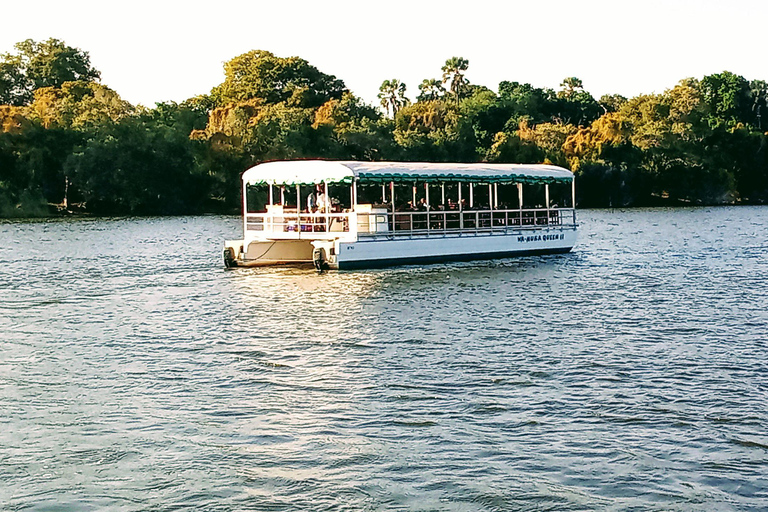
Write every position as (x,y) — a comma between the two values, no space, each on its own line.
(319,202)
(422,206)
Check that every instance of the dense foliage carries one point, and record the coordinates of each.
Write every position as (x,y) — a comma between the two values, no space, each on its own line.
(69,143)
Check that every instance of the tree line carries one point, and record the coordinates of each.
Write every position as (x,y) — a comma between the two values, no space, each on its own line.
(69,143)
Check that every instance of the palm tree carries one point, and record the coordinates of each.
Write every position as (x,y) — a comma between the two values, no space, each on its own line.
(570,86)
(453,73)
(392,96)
(431,89)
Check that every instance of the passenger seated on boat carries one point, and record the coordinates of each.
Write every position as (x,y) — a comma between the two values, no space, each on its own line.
(322,201)
(403,220)
(311,202)
(420,220)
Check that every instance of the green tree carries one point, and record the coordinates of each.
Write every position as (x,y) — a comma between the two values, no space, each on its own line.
(354,129)
(430,89)
(570,86)
(453,74)
(78,105)
(728,97)
(509,148)
(759,92)
(481,116)
(46,64)
(392,96)
(575,105)
(611,102)
(261,75)
(523,101)
(138,166)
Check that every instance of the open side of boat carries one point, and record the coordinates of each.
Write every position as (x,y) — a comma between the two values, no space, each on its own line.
(356,215)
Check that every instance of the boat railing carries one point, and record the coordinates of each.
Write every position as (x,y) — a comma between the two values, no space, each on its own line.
(304,225)
(438,222)
(300,225)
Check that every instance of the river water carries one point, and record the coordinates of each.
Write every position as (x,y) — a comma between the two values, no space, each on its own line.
(136,373)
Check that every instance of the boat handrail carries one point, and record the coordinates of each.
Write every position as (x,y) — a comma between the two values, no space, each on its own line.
(362,224)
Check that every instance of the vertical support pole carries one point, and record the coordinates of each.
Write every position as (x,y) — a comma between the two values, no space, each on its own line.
(271,198)
(392,194)
(546,198)
(573,194)
(298,211)
(426,195)
(471,195)
(490,203)
(520,201)
(461,212)
(245,215)
(354,195)
(413,204)
(383,194)
(573,199)
(282,195)
(442,191)
(490,196)
(327,204)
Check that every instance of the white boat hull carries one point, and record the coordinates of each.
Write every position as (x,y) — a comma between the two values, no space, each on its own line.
(384,252)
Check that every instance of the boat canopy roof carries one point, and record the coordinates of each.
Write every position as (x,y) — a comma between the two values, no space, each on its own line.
(307,172)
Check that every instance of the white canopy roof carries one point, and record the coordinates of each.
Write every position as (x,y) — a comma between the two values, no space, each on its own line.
(307,172)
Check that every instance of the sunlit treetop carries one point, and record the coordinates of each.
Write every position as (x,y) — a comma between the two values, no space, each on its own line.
(261,75)
(36,65)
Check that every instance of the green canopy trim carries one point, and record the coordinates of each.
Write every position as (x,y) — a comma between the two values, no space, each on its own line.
(308,172)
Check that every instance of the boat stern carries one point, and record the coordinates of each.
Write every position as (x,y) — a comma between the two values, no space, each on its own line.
(233,251)
(324,254)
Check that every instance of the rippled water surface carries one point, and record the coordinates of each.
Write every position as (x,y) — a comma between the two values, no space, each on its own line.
(136,373)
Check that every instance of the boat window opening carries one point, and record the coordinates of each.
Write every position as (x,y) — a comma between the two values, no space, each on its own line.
(560,195)
(311,197)
(481,198)
(289,197)
(256,199)
(372,194)
(451,196)
(341,197)
(534,196)
(403,196)
(507,197)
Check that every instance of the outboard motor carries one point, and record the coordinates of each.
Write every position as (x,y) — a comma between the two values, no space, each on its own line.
(320,259)
(229,257)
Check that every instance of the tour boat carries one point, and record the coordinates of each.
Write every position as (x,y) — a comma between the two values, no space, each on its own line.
(350,214)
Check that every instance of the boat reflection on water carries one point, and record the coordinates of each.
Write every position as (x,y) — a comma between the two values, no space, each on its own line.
(296,303)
